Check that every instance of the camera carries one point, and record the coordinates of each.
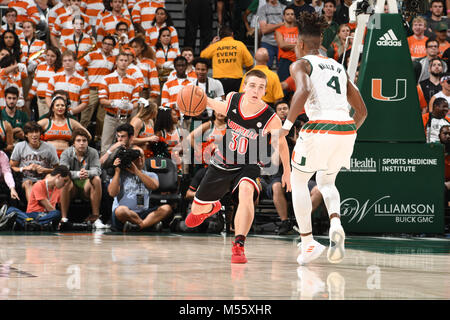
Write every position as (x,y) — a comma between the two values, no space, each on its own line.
(127,156)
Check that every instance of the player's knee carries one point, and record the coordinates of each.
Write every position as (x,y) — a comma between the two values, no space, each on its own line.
(246,191)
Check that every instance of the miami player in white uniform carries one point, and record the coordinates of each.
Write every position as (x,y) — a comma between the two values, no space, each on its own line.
(325,143)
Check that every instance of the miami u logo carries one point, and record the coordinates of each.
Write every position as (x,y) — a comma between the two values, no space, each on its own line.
(400,90)
(154,164)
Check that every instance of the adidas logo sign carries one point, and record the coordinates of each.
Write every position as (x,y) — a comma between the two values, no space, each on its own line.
(389,39)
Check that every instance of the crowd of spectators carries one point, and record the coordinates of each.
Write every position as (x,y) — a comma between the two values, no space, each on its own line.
(88,92)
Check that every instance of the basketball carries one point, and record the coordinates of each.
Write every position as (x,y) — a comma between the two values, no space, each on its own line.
(191,100)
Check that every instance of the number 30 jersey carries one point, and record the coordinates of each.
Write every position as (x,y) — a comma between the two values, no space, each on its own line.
(246,140)
(328,97)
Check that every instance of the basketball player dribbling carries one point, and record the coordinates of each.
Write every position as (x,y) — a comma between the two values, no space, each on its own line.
(235,164)
(325,143)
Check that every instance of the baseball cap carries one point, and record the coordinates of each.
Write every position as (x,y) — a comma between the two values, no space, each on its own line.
(442,26)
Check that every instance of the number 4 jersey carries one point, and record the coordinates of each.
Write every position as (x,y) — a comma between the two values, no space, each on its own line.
(246,140)
(328,97)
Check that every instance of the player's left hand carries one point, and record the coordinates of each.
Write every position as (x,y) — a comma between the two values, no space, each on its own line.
(286,181)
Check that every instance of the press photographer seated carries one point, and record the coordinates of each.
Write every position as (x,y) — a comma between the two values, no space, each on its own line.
(131,187)
(124,138)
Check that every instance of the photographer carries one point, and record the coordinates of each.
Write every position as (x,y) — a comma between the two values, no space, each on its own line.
(124,137)
(131,187)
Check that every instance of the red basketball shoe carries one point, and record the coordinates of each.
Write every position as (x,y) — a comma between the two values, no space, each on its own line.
(238,254)
(193,220)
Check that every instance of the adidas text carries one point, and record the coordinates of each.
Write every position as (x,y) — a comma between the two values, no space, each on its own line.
(389,43)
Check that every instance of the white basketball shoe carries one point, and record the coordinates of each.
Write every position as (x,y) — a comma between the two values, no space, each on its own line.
(336,252)
(310,252)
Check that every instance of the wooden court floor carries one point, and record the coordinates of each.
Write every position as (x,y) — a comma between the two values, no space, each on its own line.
(114,266)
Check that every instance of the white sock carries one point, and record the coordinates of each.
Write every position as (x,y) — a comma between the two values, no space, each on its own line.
(306,240)
(301,200)
(335,222)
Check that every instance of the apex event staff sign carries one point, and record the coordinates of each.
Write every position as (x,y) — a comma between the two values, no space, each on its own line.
(393,187)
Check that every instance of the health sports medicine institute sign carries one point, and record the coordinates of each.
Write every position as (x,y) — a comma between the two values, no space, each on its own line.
(396,180)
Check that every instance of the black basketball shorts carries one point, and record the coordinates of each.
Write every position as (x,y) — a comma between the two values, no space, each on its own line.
(217,182)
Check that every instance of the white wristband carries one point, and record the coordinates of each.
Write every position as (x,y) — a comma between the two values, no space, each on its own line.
(21,169)
(108,151)
(287,125)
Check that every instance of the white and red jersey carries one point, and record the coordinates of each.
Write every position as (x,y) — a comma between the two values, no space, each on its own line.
(143,13)
(116,89)
(26,10)
(107,25)
(42,76)
(151,36)
(170,91)
(75,85)
(150,73)
(80,46)
(63,26)
(98,65)
(30,46)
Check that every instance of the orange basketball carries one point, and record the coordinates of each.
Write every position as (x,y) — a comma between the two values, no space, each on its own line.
(191,100)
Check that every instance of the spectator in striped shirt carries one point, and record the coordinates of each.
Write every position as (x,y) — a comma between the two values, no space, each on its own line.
(118,94)
(171,88)
(26,10)
(12,74)
(79,42)
(98,63)
(59,9)
(63,25)
(11,41)
(72,82)
(188,53)
(165,54)
(121,36)
(32,53)
(133,70)
(92,9)
(11,22)
(144,12)
(162,19)
(145,61)
(45,71)
(107,24)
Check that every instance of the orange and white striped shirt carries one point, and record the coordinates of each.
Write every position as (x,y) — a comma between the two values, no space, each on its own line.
(192,76)
(135,72)
(143,13)
(107,25)
(58,10)
(75,85)
(79,46)
(42,76)
(170,91)
(165,56)
(63,26)
(151,36)
(18,30)
(31,46)
(12,80)
(26,10)
(116,89)
(98,65)
(150,72)
(92,9)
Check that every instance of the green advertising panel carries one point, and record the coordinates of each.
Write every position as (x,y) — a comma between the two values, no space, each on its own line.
(387,84)
(393,187)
